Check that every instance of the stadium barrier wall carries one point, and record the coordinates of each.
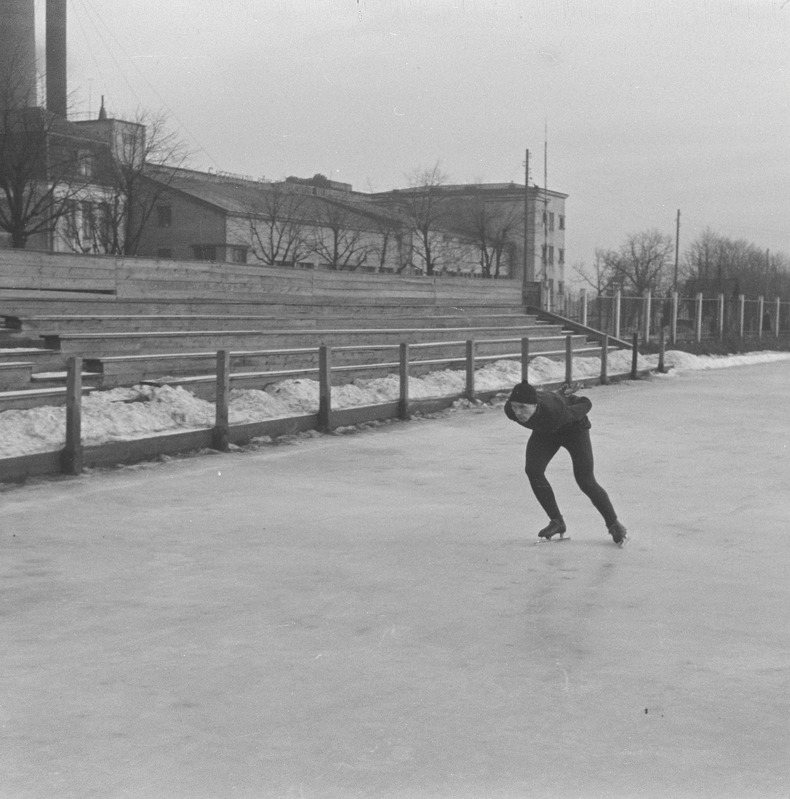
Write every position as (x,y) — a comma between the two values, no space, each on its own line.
(75,457)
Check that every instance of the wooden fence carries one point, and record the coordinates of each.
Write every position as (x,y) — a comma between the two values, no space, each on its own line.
(76,456)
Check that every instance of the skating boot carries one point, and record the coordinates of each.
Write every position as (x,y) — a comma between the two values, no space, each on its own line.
(618,532)
(554,527)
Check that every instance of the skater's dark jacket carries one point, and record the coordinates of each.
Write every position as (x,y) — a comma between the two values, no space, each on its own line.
(555,413)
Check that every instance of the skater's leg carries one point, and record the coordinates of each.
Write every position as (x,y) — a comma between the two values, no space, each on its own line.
(540,450)
(580,448)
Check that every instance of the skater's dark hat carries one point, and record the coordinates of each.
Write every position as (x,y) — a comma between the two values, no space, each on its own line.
(524,393)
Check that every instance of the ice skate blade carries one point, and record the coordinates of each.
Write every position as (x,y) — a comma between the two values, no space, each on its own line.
(553,539)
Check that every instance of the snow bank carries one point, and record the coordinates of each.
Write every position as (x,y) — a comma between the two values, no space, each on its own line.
(141,411)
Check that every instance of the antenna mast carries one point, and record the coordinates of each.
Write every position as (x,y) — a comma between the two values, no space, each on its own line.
(545,199)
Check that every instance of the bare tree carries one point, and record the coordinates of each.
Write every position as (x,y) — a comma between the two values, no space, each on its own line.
(340,239)
(44,164)
(491,226)
(640,263)
(600,276)
(426,205)
(388,247)
(717,264)
(277,230)
(146,148)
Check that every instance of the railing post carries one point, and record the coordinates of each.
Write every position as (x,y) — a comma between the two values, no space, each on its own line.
(584,306)
(470,369)
(721,317)
(776,318)
(221,432)
(403,402)
(741,315)
(648,311)
(635,356)
(661,335)
(71,460)
(698,319)
(618,301)
(324,388)
(568,359)
(525,359)
(605,360)
(760,314)
(673,330)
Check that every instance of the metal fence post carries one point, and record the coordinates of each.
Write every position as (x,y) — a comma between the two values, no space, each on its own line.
(673,330)
(470,369)
(324,388)
(721,317)
(776,319)
(71,460)
(605,360)
(568,359)
(698,319)
(661,335)
(760,314)
(648,311)
(741,314)
(584,306)
(618,302)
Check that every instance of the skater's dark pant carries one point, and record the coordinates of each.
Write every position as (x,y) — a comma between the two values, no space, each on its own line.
(542,447)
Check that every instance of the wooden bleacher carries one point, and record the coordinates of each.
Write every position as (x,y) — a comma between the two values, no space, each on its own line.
(134,320)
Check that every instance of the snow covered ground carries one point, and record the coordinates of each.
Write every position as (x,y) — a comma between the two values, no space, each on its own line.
(140,411)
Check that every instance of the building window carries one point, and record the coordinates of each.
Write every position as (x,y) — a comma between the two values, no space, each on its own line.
(562,222)
(86,163)
(551,254)
(551,220)
(129,147)
(164,252)
(164,216)
(204,252)
(238,255)
(86,210)
(561,256)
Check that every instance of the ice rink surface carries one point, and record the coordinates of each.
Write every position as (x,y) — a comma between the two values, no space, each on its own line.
(366,615)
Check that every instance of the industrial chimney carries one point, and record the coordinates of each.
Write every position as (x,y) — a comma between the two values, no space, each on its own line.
(56,57)
(17,53)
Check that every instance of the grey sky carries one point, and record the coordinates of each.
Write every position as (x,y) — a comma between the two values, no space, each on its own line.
(650,107)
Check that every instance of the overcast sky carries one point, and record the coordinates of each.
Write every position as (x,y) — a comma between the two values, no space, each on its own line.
(650,107)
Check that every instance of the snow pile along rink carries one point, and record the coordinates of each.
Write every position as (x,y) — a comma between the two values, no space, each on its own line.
(142,411)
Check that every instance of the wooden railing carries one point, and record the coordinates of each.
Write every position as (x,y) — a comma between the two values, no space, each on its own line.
(75,456)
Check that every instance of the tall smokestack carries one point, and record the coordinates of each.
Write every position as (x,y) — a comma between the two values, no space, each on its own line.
(17,53)
(56,57)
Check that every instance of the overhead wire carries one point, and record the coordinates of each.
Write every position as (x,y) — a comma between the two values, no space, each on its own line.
(94,15)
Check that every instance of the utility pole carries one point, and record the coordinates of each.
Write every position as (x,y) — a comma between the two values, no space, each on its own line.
(526,222)
(677,251)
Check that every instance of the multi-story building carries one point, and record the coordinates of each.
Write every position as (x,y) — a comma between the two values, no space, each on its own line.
(515,234)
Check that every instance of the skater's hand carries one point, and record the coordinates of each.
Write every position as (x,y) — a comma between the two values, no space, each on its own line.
(569,388)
